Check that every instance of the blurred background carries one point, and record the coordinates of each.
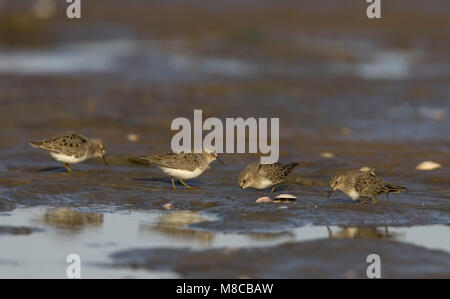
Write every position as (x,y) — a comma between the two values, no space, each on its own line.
(349,91)
(323,67)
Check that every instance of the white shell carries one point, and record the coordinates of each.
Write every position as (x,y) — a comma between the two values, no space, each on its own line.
(285,197)
(428,165)
(263,199)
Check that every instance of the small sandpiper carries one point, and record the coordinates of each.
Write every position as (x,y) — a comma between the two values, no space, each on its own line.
(262,176)
(362,183)
(183,166)
(71,148)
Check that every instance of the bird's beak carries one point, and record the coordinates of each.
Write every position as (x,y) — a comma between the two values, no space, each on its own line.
(220,161)
(329,192)
(104,159)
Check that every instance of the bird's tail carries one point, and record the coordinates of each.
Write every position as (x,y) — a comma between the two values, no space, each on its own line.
(149,159)
(144,158)
(291,167)
(395,189)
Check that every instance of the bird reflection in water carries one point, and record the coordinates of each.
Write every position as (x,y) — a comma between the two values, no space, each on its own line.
(270,236)
(354,232)
(176,224)
(72,220)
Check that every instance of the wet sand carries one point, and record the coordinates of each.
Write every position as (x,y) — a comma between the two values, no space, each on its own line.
(371,95)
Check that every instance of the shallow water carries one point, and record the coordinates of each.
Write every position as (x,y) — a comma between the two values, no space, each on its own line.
(95,236)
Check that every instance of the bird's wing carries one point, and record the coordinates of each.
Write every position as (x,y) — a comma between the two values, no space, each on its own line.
(276,172)
(369,184)
(70,144)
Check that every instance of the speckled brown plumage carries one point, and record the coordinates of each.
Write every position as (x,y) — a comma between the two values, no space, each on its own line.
(276,172)
(70,148)
(71,144)
(362,183)
(185,161)
(183,165)
(262,176)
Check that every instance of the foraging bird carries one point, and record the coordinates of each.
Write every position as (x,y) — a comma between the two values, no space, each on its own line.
(362,183)
(71,148)
(262,176)
(183,166)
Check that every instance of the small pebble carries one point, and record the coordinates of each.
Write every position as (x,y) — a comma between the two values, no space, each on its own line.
(167,206)
(428,165)
(349,274)
(44,9)
(263,199)
(346,131)
(368,169)
(327,155)
(283,207)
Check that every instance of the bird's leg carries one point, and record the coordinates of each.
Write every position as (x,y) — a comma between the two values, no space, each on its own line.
(173,184)
(187,186)
(363,201)
(67,167)
(273,189)
(330,233)
(375,201)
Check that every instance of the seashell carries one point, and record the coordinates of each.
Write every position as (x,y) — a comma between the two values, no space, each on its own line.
(263,199)
(327,155)
(428,165)
(368,169)
(167,206)
(285,198)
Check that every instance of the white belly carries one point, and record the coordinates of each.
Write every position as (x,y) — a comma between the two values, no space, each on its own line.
(353,194)
(67,159)
(182,174)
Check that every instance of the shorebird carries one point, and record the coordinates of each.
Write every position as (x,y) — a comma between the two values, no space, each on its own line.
(71,148)
(362,183)
(262,176)
(183,166)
